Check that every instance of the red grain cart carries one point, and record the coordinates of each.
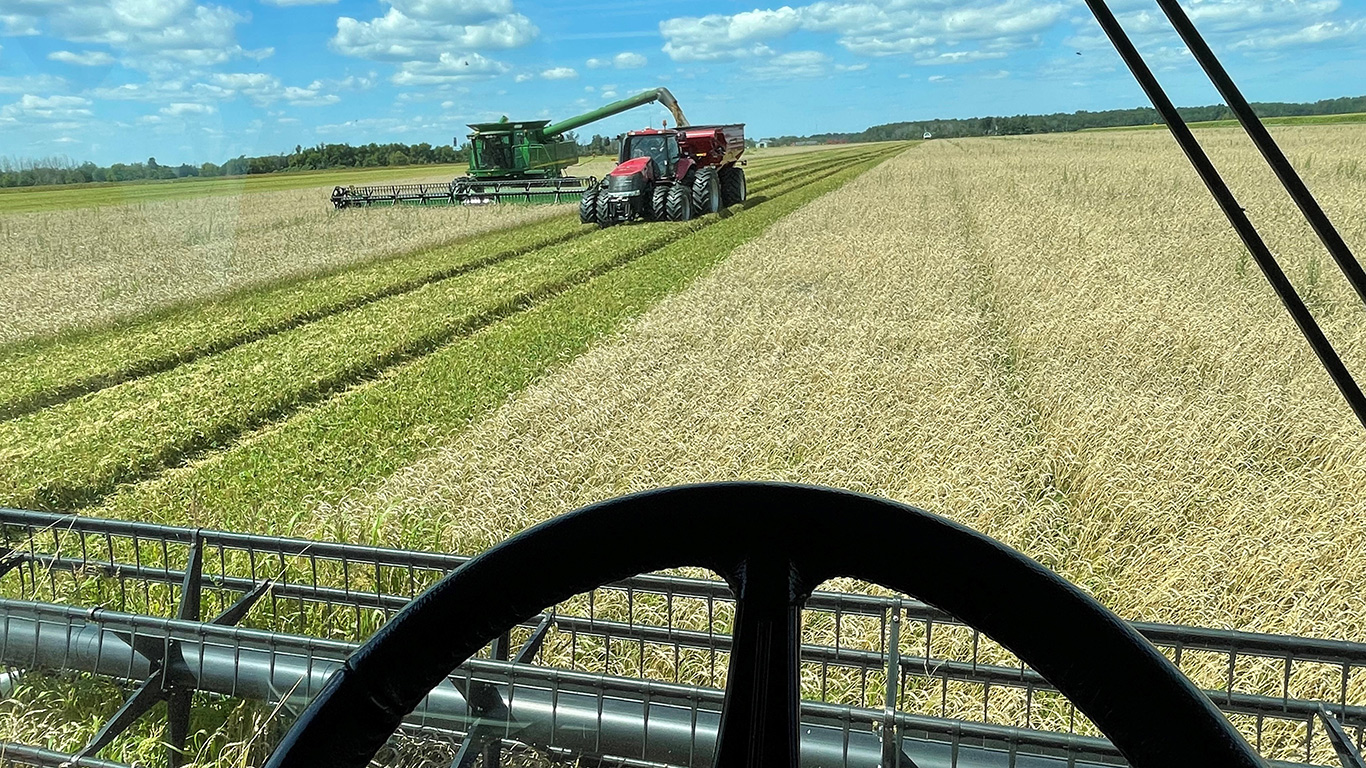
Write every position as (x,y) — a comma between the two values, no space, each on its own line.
(670,175)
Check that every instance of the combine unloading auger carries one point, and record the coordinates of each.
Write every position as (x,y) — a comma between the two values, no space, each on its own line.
(519,161)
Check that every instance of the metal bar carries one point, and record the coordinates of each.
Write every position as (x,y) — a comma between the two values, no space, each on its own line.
(1232,210)
(47,758)
(1281,166)
(581,712)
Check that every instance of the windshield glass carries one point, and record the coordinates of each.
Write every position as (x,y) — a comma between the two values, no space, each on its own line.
(372,271)
(655,147)
(495,151)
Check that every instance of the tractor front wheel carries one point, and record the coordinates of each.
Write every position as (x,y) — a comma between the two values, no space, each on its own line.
(659,203)
(679,203)
(588,206)
(706,191)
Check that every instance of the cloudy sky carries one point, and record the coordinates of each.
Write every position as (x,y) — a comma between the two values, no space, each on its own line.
(196,80)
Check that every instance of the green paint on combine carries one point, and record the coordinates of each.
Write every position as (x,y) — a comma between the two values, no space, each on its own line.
(510,161)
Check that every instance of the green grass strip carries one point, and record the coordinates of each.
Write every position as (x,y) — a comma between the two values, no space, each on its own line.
(73,454)
(40,373)
(275,479)
(37,374)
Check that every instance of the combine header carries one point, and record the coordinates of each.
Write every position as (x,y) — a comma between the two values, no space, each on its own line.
(510,161)
(633,673)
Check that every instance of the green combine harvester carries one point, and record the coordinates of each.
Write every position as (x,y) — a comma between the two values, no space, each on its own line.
(510,161)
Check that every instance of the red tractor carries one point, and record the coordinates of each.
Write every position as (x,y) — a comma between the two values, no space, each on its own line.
(670,175)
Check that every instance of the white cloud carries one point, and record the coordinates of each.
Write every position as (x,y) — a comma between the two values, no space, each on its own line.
(560,73)
(187,109)
(629,60)
(797,64)
(31,83)
(454,11)
(1319,34)
(940,79)
(448,69)
(427,30)
(523,77)
(719,37)
(149,34)
(83,59)
(957,57)
(284,3)
(64,111)
(864,27)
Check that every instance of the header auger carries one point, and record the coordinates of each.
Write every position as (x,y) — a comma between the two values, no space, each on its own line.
(520,161)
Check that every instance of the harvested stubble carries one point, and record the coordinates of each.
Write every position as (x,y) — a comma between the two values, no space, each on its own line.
(73,268)
(41,372)
(268,481)
(74,453)
(1057,341)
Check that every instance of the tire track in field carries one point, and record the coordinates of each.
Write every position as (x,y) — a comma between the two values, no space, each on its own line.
(159,364)
(78,491)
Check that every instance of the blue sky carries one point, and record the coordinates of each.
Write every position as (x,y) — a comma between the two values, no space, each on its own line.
(196,80)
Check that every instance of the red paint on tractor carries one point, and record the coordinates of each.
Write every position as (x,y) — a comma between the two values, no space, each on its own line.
(634,165)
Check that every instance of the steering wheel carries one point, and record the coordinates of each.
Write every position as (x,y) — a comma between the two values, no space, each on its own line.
(773,543)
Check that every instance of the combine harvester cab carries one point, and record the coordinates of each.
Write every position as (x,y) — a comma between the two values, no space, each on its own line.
(670,175)
(510,162)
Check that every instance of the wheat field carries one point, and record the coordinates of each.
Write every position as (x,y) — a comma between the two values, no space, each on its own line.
(70,269)
(1056,340)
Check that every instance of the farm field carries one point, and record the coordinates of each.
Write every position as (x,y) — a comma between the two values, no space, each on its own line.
(60,197)
(1056,340)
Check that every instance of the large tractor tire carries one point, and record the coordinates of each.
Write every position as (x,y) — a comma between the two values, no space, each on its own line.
(679,202)
(588,206)
(706,191)
(733,187)
(659,203)
(603,216)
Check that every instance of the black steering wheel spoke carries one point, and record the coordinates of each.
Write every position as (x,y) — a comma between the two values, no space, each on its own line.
(762,706)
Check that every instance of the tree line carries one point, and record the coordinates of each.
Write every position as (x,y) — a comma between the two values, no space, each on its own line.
(62,170)
(1059,122)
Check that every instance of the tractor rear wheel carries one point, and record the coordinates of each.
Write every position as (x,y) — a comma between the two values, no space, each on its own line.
(733,187)
(603,214)
(706,191)
(659,203)
(679,203)
(588,206)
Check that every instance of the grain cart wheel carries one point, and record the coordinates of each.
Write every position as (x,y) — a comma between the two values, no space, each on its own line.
(679,202)
(706,192)
(774,544)
(603,215)
(588,206)
(733,187)
(659,203)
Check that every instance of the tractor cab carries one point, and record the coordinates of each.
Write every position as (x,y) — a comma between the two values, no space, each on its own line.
(660,147)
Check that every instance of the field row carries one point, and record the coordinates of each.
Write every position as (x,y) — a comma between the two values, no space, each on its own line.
(481,327)
(43,372)
(67,196)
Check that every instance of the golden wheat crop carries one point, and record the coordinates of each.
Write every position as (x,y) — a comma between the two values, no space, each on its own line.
(1055,340)
(70,268)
